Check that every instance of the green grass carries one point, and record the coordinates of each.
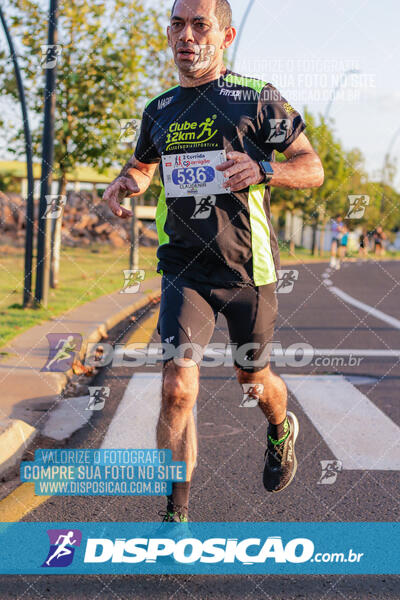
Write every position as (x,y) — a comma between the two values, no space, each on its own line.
(85,274)
(301,254)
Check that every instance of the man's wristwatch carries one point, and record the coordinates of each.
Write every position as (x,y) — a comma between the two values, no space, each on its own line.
(266,170)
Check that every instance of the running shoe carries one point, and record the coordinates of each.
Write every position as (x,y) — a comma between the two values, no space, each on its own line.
(174,526)
(175,516)
(280,459)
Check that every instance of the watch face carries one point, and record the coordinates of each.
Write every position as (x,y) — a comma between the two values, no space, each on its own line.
(266,166)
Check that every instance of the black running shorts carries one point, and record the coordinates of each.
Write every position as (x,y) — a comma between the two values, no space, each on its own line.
(189,311)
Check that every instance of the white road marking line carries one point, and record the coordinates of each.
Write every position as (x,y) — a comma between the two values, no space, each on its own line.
(340,352)
(135,420)
(374,312)
(358,433)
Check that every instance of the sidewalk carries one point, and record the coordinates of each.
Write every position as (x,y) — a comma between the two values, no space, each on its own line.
(26,391)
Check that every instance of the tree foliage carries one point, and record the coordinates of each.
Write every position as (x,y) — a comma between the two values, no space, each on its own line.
(114,56)
(345,175)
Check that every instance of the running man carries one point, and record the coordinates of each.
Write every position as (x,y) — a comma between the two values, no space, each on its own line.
(68,347)
(205,204)
(379,236)
(228,262)
(344,240)
(363,244)
(336,232)
(62,550)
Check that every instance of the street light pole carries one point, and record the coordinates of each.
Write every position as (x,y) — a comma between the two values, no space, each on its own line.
(240,30)
(337,88)
(388,153)
(385,165)
(27,292)
(43,245)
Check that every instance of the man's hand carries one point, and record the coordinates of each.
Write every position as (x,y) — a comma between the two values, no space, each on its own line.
(241,171)
(117,191)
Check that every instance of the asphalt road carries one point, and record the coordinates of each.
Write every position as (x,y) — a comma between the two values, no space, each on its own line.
(227,483)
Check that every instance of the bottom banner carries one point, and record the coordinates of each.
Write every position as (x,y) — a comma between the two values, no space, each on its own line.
(199,548)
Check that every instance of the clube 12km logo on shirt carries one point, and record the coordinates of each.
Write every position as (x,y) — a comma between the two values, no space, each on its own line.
(191,133)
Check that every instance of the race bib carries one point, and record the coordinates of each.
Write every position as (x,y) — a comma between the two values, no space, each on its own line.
(194,174)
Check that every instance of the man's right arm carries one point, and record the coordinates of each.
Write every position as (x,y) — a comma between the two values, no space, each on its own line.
(133,180)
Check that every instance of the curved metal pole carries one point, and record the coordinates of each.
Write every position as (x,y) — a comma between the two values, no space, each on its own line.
(388,153)
(27,293)
(337,88)
(384,166)
(240,31)
(43,238)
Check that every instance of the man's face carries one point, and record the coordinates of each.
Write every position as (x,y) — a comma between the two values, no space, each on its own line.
(195,36)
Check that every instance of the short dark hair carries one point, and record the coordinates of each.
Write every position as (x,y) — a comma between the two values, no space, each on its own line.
(223,12)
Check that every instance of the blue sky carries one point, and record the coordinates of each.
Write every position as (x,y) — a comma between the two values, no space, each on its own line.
(304,47)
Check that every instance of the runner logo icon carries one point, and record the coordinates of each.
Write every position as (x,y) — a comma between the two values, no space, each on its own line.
(286,280)
(62,349)
(204,205)
(279,130)
(50,55)
(358,204)
(330,470)
(129,129)
(133,279)
(55,205)
(62,547)
(251,394)
(97,397)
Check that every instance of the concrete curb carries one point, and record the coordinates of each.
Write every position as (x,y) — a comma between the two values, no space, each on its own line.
(15,437)
(15,434)
(97,333)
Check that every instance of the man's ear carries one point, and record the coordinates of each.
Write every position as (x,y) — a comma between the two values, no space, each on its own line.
(230,34)
(168,36)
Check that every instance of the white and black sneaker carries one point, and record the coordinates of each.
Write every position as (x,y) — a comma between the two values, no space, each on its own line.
(280,459)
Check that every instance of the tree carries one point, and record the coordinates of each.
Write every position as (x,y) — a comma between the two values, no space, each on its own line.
(344,175)
(113,57)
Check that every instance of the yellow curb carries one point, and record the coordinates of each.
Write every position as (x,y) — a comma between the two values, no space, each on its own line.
(144,333)
(20,502)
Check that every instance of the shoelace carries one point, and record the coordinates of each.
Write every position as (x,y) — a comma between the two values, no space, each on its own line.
(276,451)
(167,514)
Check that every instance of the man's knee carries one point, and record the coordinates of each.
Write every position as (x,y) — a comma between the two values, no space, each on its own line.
(180,385)
(272,385)
(263,374)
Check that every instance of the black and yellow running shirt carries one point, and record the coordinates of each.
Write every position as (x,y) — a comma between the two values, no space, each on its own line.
(233,242)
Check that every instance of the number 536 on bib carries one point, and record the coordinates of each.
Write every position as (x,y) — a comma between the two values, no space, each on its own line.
(193,174)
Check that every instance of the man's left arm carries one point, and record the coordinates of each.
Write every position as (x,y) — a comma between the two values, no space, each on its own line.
(302,169)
